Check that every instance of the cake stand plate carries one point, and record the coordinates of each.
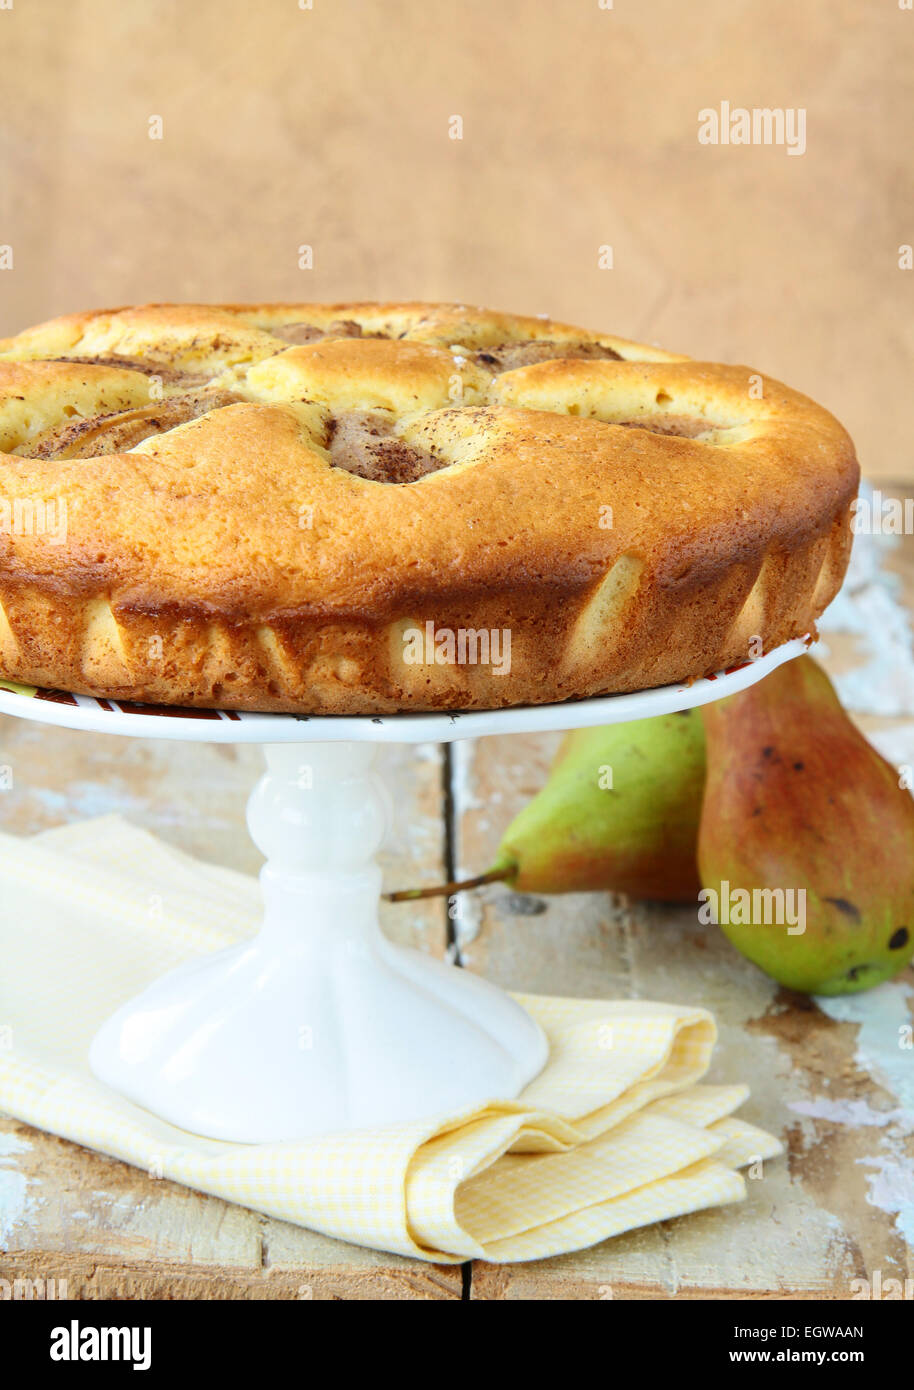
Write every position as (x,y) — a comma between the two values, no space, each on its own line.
(317,1022)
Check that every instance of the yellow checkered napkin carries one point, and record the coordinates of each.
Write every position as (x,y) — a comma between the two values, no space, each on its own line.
(614,1133)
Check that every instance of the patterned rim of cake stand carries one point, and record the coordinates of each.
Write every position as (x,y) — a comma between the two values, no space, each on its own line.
(229,726)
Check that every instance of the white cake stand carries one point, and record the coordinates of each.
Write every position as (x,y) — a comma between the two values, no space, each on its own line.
(318,1022)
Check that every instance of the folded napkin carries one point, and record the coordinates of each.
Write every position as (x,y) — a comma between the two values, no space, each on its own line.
(615,1132)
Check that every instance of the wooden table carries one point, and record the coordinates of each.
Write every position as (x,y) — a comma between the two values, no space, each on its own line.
(807,1229)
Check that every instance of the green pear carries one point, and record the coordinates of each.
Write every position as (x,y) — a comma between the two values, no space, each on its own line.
(619,812)
(796,800)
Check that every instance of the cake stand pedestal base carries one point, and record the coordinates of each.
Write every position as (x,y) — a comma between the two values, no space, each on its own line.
(317,1022)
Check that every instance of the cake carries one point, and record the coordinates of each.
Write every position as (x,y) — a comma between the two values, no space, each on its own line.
(364,508)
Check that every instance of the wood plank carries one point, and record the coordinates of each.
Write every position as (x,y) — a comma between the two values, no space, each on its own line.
(807,1227)
(816,1219)
(111,1230)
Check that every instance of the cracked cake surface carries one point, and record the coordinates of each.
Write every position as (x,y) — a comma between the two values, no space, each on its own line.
(291,506)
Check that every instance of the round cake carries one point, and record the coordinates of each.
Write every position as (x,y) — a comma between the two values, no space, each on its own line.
(364,508)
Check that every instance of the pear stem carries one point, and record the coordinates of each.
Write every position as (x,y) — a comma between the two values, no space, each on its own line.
(446,890)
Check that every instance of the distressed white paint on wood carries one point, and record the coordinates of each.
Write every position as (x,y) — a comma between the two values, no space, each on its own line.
(809,1225)
(111,1230)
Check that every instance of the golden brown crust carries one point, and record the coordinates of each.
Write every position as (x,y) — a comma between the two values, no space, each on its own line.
(237,558)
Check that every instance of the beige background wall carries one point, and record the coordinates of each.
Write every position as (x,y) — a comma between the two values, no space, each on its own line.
(329,126)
